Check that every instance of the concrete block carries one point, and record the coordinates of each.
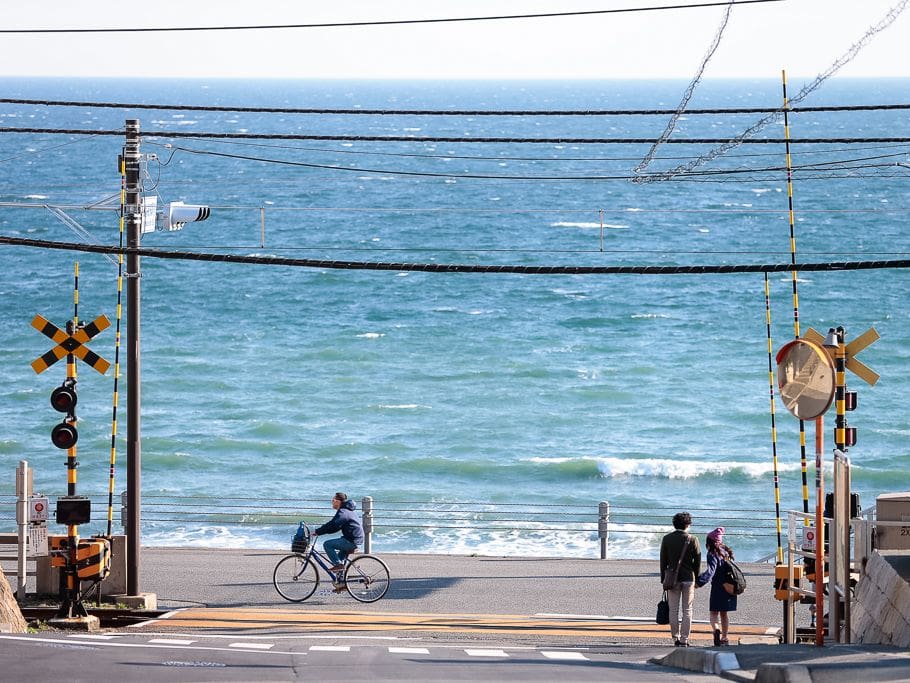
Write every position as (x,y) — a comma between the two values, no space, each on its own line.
(902,639)
(89,623)
(147,601)
(901,601)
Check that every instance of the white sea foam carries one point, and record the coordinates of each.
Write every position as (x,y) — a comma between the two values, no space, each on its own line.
(36,196)
(403,406)
(570,224)
(650,315)
(371,335)
(669,468)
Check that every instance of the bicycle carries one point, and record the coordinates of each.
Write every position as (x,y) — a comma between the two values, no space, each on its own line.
(296,576)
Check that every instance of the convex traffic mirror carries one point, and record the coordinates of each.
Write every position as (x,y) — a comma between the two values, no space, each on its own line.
(805,377)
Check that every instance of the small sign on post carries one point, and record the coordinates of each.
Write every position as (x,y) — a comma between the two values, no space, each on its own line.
(809,538)
(37,540)
(37,509)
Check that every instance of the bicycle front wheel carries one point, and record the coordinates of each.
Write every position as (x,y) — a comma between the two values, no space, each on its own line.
(367,578)
(295,578)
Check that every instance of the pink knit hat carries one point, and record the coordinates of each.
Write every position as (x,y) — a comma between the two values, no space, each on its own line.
(717,535)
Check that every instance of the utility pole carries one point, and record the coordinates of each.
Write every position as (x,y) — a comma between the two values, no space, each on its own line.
(133,202)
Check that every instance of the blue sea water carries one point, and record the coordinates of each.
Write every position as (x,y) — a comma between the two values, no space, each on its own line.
(264,382)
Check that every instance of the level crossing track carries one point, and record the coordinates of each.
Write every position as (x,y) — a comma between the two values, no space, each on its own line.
(297,619)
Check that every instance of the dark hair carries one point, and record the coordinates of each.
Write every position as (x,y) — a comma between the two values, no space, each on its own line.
(341,497)
(681,520)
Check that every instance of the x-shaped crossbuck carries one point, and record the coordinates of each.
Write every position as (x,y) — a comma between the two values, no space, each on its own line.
(70,343)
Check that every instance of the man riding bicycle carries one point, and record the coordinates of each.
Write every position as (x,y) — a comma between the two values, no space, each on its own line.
(348,523)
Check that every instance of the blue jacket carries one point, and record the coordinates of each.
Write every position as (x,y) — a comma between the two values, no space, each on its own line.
(346,521)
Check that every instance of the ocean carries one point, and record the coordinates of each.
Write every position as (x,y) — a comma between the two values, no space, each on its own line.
(428,390)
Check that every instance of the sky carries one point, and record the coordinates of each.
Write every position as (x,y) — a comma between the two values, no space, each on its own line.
(804,37)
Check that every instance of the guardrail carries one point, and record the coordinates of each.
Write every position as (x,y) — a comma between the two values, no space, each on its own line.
(598,520)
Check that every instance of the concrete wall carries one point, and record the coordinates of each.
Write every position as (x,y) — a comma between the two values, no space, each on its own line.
(881,605)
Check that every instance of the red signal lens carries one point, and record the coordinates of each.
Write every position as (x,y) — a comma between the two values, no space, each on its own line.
(63,399)
(64,435)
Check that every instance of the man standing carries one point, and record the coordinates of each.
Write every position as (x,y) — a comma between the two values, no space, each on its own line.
(679,549)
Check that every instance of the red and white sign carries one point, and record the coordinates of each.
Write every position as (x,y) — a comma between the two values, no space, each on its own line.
(809,538)
(37,509)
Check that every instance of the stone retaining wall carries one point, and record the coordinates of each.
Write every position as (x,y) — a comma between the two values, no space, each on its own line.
(881,605)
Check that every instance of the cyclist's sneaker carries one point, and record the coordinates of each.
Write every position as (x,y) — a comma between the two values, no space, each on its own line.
(337,567)
(338,587)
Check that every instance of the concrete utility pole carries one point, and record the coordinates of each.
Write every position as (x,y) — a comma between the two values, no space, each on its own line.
(133,347)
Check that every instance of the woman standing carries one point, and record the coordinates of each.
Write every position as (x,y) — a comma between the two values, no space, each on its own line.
(720,602)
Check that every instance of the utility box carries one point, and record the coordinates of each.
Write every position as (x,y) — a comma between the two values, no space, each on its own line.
(893,507)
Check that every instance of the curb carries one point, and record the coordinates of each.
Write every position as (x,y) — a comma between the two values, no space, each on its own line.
(720,663)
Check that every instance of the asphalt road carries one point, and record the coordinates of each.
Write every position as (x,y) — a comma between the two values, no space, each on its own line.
(445,584)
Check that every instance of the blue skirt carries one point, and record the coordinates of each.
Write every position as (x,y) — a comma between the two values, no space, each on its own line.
(721,600)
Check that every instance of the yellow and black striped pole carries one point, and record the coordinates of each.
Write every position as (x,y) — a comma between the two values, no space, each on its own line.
(802,424)
(780,547)
(71,596)
(840,392)
(113,458)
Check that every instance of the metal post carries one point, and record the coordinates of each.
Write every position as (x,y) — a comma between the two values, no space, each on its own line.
(603,527)
(22,495)
(133,443)
(367,505)
(819,531)
(840,445)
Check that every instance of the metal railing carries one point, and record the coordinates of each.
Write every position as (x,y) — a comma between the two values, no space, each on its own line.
(597,520)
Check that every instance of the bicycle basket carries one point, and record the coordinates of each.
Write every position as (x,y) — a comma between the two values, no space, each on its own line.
(301,541)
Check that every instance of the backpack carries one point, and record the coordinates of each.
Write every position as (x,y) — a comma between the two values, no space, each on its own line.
(734,579)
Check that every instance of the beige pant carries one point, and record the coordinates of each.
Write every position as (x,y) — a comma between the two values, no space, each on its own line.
(683,593)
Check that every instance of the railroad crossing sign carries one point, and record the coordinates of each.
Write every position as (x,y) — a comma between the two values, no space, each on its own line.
(70,343)
(858,368)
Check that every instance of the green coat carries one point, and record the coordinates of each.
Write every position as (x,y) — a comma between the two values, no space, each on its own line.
(670,548)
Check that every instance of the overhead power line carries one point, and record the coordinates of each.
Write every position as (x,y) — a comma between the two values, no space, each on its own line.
(411,138)
(462,268)
(841,164)
(445,112)
(391,22)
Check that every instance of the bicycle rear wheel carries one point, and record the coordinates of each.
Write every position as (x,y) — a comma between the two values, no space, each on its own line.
(295,578)
(367,578)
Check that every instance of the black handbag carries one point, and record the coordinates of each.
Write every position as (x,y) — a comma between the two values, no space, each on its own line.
(663,611)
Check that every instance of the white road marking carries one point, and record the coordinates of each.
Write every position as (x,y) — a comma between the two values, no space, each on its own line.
(330,648)
(486,653)
(561,654)
(409,651)
(90,636)
(170,641)
(253,646)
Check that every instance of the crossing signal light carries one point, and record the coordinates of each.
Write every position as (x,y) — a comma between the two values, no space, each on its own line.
(850,437)
(64,435)
(849,400)
(63,398)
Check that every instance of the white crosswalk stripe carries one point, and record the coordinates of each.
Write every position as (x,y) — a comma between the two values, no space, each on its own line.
(562,654)
(253,646)
(486,653)
(330,648)
(409,651)
(170,641)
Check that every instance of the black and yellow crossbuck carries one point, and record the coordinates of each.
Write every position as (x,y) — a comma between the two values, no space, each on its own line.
(70,344)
